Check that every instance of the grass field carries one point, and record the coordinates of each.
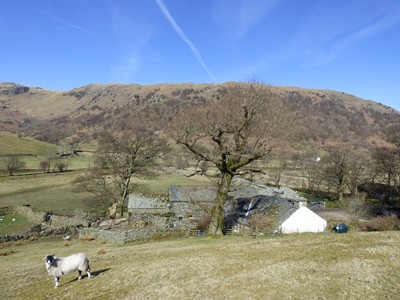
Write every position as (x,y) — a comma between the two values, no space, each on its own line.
(42,191)
(54,191)
(12,144)
(299,266)
(14,224)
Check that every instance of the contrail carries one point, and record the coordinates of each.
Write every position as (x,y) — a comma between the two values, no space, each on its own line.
(180,32)
(63,21)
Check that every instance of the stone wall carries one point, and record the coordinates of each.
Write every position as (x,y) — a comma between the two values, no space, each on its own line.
(155,218)
(141,201)
(38,217)
(153,210)
(119,236)
(39,231)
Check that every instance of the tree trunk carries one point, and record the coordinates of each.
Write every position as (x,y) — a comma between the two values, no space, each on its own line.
(125,192)
(222,197)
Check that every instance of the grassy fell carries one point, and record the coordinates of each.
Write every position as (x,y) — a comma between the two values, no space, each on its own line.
(12,144)
(300,266)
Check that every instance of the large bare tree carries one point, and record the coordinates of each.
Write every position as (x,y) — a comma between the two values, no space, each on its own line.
(390,157)
(344,168)
(127,155)
(241,125)
(387,165)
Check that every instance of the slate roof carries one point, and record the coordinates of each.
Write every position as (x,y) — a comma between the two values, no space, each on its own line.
(192,193)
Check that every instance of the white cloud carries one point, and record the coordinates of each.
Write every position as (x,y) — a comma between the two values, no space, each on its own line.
(238,17)
(124,70)
(328,32)
(375,27)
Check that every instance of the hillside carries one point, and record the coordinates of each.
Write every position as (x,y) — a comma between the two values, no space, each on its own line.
(79,115)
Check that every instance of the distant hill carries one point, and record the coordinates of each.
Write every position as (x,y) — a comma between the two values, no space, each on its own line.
(78,116)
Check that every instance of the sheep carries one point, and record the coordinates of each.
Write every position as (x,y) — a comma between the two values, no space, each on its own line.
(57,266)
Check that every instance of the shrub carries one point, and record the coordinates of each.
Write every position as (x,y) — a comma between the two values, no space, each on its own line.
(204,222)
(381,223)
(263,222)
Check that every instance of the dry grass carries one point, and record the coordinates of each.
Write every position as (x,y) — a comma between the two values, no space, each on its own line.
(7,252)
(306,266)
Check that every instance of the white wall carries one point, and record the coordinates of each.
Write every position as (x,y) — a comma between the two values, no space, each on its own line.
(303,220)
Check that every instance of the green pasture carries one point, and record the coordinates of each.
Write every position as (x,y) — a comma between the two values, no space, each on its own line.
(14,224)
(32,152)
(13,144)
(159,183)
(54,191)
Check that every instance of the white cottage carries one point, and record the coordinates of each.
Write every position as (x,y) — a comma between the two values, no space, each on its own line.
(303,220)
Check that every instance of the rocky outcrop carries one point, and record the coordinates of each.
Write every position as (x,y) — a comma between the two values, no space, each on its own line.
(13,89)
(248,198)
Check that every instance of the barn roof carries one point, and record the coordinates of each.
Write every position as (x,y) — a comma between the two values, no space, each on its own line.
(192,193)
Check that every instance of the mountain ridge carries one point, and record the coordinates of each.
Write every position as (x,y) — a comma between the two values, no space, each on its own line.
(326,116)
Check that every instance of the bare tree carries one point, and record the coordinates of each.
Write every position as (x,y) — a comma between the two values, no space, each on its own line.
(345,169)
(61,165)
(127,155)
(311,167)
(99,183)
(359,170)
(393,136)
(44,165)
(336,168)
(277,171)
(387,164)
(392,157)
(12,164)
(243,124)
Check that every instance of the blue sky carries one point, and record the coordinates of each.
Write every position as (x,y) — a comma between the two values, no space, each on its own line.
(346,45)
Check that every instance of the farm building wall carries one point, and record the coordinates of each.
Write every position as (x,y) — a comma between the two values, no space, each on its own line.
(149,210)
(303,220)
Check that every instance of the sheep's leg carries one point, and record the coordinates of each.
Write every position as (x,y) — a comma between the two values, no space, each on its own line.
(56,279)
(88,269)
(80,274)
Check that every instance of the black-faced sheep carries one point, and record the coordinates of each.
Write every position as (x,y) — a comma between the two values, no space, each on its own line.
(57,266)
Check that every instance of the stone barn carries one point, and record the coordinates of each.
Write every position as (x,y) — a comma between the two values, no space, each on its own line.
(189,204)
(149,211)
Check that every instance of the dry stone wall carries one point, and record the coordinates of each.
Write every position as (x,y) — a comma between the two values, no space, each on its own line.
(153,210)
(120,237)
(38,217)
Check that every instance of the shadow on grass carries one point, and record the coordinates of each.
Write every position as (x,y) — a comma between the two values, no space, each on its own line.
(94,274)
